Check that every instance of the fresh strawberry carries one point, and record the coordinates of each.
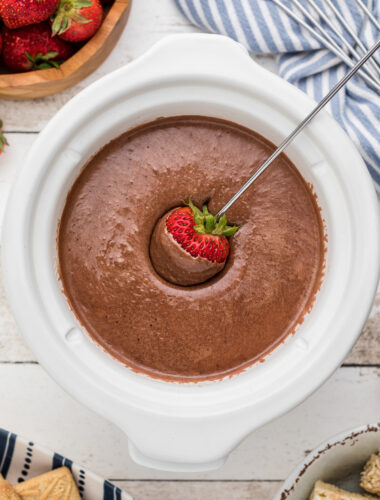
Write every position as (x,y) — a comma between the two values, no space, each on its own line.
(17,13)
(77,20)
(199,233)
(33,47)
(3,140)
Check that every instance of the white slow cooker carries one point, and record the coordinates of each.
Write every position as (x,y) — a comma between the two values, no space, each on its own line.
(193,426)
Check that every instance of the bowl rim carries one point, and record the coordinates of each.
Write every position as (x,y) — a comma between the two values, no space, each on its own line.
(318,454)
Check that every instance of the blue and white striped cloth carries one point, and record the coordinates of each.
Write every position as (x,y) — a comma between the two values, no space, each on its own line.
(264,28)
(21,460)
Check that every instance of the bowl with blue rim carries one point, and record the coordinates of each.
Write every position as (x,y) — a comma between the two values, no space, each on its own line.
(22,459)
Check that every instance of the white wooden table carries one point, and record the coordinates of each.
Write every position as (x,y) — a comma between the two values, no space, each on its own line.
(33,405)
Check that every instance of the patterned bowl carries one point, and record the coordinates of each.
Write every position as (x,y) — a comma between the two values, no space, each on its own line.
(21,459)
(339,461)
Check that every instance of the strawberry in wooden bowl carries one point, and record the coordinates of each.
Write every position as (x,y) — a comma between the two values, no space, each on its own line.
(18,13)
(33,47)
(77,20)
(50,45)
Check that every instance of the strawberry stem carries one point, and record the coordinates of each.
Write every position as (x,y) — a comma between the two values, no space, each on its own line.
(206,223)
(210,223)
(67,12)
(43,61)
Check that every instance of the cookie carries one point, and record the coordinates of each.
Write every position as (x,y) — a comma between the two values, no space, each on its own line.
(57,484)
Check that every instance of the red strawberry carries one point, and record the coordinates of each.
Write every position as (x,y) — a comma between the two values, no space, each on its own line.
(199,233)
(17,13)
(3,140)
(189,246)
(33,47)
(77,20)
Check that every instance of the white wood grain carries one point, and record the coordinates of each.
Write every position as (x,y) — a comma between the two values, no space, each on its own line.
(210,490)
(367,348)
(33,405)
(10,163)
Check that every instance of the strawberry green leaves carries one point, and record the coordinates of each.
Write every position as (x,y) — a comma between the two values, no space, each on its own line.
(68,12)
(206,223)
(199,216)
(3,140)
(209,223)
(222,228)
(33,47)
(43,61)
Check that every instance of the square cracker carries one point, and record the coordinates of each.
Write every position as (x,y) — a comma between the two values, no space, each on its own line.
(7,491)
(325,491)
(57,484)
(370,480)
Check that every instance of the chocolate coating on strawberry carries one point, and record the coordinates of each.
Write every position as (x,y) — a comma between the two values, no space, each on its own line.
(189,246)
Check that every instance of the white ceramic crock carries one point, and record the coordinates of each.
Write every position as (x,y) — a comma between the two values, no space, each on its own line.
(190,427)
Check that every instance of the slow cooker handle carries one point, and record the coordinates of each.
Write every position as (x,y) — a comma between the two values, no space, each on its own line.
(218,55)
(152,463)
(182,444)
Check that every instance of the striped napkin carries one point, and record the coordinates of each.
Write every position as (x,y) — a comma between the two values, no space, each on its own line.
(264,28)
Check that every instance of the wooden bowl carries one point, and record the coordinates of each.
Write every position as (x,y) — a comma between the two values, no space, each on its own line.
(33,84)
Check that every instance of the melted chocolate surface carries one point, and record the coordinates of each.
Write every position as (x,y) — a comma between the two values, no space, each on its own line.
(225,324)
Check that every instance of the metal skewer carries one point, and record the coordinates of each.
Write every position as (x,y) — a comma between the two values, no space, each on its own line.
(351,31)
(333,47)
(338,33)
(369,13)
(328,38)
(300,127)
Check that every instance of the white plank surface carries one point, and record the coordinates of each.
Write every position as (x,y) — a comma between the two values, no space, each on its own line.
(33,405)
(10,163)
(201,490)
